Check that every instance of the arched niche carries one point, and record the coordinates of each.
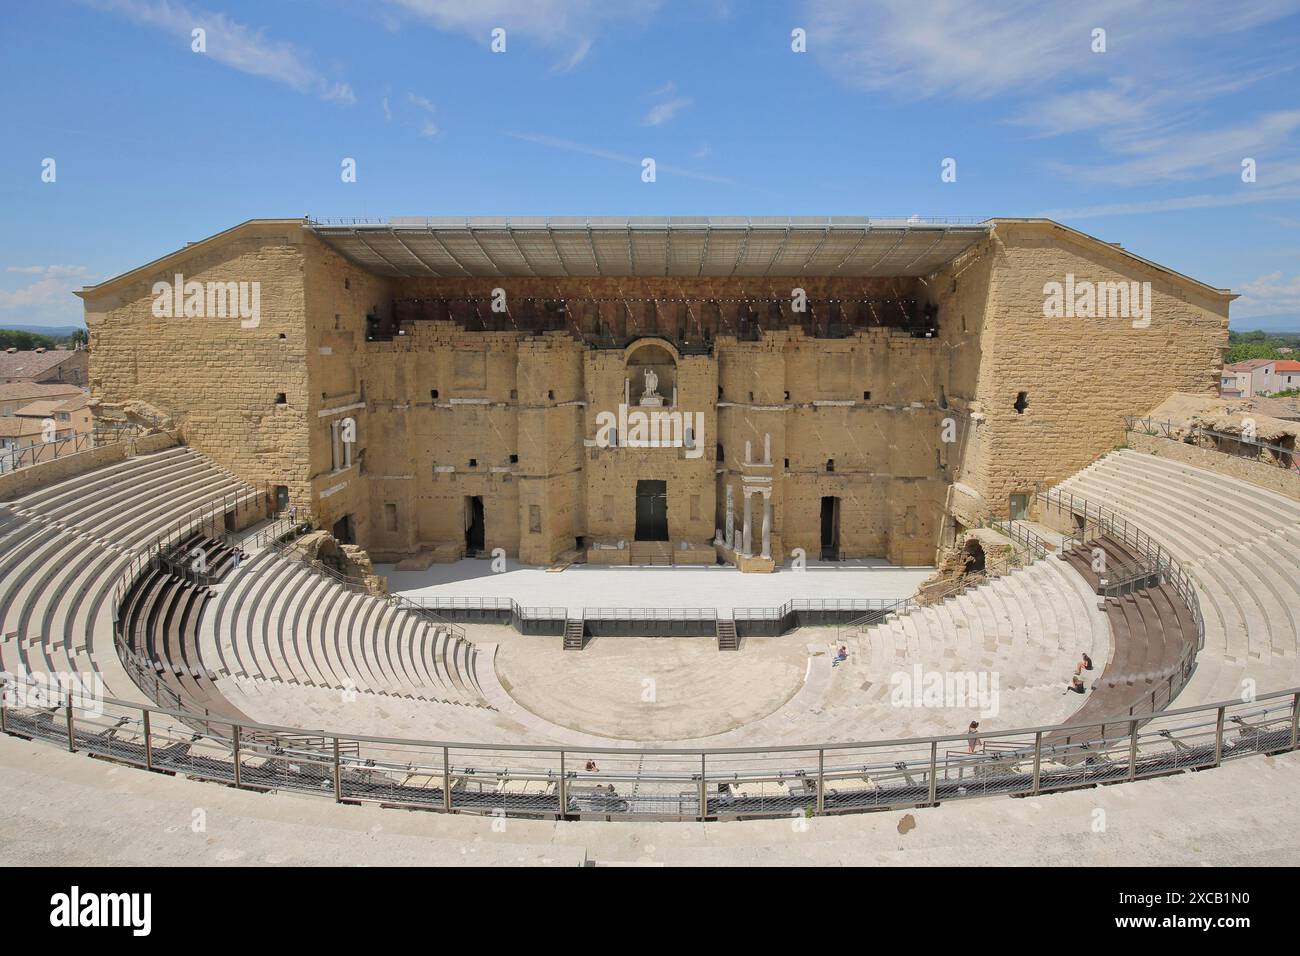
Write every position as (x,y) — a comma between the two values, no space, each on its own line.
(657,356)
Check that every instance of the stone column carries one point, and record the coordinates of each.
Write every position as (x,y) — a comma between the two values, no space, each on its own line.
(767,525)
(747,535)
(730,526)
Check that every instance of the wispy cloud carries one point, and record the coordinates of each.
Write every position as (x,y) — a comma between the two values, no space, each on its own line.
(233,44)
(571,26)
(979,50)
(53,286)
(1198,153)
(1141,101)
(555,142)
(1246,196)
(575,57)
(1272,294)
(428,128)
(662,113)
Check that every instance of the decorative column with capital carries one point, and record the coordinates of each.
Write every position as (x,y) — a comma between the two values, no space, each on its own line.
(767,524)
(747,538)
(730,526)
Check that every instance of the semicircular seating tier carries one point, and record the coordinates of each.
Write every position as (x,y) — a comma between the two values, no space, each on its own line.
(291,645)
(64,548)
(1241,544)
(1002,652)
(1021,632)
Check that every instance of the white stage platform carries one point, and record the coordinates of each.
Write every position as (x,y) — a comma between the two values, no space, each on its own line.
(723,588)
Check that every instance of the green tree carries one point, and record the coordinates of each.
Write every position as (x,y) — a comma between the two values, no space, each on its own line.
(15,339)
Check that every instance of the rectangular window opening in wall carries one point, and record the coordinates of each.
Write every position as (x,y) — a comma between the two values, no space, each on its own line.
(473,462)
(866,396)
(787,463)
(514,394)
(830,464)
(1022,402)
(433,394)
(281,398)
(550,394)
(514,459)
(390,517)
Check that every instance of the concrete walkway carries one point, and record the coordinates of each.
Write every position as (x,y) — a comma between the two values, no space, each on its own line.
(58,808)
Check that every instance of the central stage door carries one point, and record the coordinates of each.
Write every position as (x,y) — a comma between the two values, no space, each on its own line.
(830,528)
(651,510)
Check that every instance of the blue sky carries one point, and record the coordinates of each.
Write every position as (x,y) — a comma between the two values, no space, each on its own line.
(156,145)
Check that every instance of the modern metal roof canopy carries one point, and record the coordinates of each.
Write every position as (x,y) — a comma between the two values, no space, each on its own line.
(652,246)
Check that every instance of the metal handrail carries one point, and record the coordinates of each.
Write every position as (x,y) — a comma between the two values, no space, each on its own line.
(1123,578)
(996,567)
(1288,458)
(180,529)
(669,782)
(100,436)
(1133,537)
(1029,539)
(963,736)
(517,611)
(649,613)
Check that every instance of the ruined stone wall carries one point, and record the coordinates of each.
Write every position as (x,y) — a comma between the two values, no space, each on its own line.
(857,419)
(218,381)
(443,414)
(550,451)
(339,296)
(1079,376)
(961,293)
(611,474)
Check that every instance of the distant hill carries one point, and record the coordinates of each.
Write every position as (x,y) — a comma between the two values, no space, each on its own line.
(1267,323)
(53,331)
(26,337)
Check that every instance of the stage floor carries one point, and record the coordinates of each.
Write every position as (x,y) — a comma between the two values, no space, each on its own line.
(719,587)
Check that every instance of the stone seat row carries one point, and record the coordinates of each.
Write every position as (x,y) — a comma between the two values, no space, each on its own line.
(69,544)
(279,620)
(1241,544)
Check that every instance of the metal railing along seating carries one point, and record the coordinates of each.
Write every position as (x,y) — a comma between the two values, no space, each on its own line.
(1238,445)
(644,783)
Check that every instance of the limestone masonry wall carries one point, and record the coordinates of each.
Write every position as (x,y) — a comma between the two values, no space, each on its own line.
(912,438)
